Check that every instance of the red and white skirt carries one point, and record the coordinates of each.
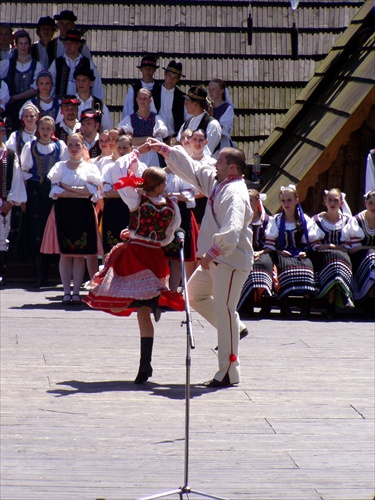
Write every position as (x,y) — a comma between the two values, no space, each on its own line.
(134,274)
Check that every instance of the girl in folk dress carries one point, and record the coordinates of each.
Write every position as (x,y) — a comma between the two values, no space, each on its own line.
(258,285)
(116,213)
(106,151)
(44,100)
(359,234)
(19,72)
(290,234)
(72,229)
(223,112)
(29,116)
(136,273)
(197,142)
(37,159)
(143,124)
(333,269)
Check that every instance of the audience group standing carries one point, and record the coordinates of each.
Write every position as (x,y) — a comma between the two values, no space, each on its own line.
(54,124)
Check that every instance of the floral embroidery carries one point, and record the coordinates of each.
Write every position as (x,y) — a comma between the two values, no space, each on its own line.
(151,220)
(111,239)
(81,243)
(173,248)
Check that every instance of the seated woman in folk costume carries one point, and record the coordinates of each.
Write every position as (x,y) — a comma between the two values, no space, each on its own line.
(258,286)
(290,234)
(332,266)
(359,234)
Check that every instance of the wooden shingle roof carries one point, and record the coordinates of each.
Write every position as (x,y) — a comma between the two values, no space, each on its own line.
(335,102)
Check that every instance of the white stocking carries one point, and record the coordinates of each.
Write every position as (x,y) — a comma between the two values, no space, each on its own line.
(66,268)
(78,272)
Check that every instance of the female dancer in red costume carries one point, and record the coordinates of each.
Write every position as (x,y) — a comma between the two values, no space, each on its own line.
(135,273)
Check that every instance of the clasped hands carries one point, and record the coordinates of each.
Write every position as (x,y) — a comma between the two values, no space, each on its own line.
(150,144)
(285,253)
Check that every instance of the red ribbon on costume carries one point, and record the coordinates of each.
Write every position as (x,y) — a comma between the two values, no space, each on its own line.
(131,181)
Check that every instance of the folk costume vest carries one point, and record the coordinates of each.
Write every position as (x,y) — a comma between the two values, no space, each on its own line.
(142,127)
(178,106)
(19,82)
(331,236)
(206,120)
(369,239)
(62,74)
(220,110)
(6,172)
(151,220)
(42,164)
(95,151)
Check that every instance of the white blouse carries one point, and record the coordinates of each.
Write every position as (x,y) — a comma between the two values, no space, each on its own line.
(26,137)
(272,230)
(86,174)
(17,193)
(112,172)
(353,234)
(177,185)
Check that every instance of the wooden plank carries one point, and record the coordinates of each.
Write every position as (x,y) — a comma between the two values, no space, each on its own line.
(74,425)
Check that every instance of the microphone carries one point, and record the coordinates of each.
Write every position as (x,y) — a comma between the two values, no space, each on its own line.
(180,235)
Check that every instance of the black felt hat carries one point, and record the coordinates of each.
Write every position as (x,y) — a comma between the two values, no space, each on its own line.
(174,67)
(47,21)
(149,60)
(197,94)
(73,36)
(66,15)
(82,71)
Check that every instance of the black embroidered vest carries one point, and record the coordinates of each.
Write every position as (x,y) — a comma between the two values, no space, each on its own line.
(6,173)
(62,74)
(178,107)
(19,82)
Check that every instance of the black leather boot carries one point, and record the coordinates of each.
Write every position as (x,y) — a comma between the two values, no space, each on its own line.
(37,271)
(145,368)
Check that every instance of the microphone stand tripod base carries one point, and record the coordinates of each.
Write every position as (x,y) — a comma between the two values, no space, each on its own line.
(185,490)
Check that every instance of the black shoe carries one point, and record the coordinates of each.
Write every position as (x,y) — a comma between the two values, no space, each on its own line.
(143,376)
(76,300)
(331,312)
(285,310)
(157,313)
(216,384)
(244,333)
(305,309)
(67,300)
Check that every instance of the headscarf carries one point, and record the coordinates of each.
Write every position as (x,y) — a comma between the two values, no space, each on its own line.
(29,104)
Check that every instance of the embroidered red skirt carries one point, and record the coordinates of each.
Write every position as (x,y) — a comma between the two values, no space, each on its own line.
(134,273)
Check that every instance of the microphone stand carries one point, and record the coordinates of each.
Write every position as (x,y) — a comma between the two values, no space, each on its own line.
(185,489)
